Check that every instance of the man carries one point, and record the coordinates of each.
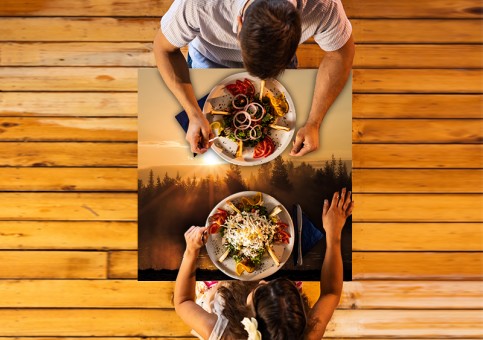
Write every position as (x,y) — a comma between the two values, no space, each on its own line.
(262,36)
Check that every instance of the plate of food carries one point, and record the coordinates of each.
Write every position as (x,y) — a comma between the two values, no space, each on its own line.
(253,120)
(251,235)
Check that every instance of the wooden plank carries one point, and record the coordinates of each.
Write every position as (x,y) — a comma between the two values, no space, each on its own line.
(39,154)
(145,294)
(68,235)
(310,55)
(413,9)
(416,156)
(52,265)
(123,265)
(401,56)
(68,104)
(125,79)
(416,106)
(84,8)
(77,54)
(354,8)
(67,79)
(418,208)
(54,129)
(410,31)
(98,322)
(79,29)
(142,322)
(427,236)
(68,179)
(423,131)
(419,266)
(415,31)
(68,206)
(417,81)
(417,181)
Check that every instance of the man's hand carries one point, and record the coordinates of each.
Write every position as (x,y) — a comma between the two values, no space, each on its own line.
(307,140)
(199,133)
(335,214)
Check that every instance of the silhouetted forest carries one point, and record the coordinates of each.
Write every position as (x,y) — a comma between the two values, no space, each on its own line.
(169,205)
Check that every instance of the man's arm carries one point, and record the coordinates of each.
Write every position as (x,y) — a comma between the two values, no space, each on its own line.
(184,290)
(331,277)
(331,78)
(174,70)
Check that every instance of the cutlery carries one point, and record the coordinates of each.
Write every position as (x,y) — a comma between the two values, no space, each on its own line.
(299,223)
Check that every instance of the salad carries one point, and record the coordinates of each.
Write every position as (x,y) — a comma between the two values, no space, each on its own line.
(250,116)
(248,230)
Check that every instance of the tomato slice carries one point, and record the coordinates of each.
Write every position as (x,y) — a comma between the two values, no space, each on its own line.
(213,228)
(260,149)
(233,89)
(250,87)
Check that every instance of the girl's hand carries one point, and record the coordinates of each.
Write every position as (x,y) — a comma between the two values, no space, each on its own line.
(195,238)
(335,214)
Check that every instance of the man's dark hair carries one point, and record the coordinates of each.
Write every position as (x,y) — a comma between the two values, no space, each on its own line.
(269,37)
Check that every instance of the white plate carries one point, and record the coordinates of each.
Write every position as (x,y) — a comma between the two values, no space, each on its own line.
(267,267)
(219,99)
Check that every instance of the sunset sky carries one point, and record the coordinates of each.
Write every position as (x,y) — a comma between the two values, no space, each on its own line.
(162,140)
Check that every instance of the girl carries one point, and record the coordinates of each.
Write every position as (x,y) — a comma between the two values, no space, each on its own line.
(264,310)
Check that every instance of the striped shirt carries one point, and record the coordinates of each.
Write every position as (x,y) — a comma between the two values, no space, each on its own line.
(210,28)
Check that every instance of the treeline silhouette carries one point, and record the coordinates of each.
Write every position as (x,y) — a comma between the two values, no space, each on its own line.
(169,205)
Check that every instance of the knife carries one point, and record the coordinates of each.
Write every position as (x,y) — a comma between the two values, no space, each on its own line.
(299,223)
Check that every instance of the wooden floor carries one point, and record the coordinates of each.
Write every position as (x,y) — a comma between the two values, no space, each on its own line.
(68,233)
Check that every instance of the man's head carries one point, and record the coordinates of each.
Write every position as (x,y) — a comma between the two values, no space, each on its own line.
(269,37)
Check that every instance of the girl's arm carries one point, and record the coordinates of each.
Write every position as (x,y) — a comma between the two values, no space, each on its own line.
(331,278)
(184,290)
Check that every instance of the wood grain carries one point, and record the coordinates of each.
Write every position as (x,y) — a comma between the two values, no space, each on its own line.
(39,154)
(426,131)
(309,54)
(416,31)
(417,81)
(68,207)
(418,208)
(354,8)
(70,235)
(57,104)
(68,179)
(135,29)
(147,322)
(401,56)
(420,266)
(52,265)
(145,294)
(417,181)
(416,106)
(417,156)
(417,236)
(123,265)
(68,79)
(68,129)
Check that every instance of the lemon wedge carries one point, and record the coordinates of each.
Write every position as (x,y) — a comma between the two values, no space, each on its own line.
(217,127)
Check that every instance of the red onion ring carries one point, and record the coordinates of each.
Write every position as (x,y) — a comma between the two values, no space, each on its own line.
(236,97)
(242,124)
(254,129)
(255,110)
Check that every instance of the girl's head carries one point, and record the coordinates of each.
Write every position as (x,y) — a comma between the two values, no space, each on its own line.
(279,308)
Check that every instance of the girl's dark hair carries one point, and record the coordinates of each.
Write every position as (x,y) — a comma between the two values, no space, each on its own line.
(280,310)
(269,37)
(279,306)
(235,309)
